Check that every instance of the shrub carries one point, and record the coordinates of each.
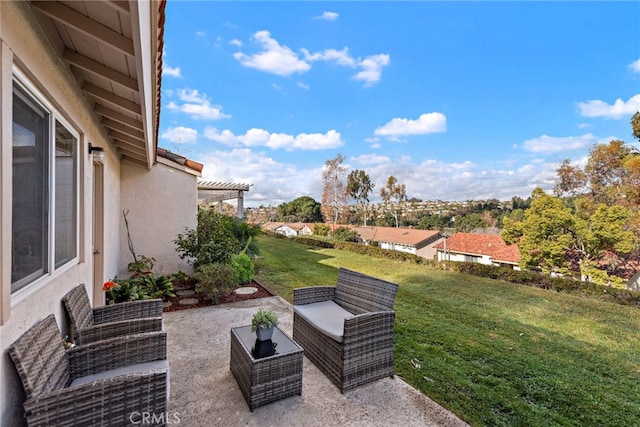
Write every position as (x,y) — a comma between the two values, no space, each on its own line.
(211,242)
(344,234)
(321,229)
(214,279)
(139,287)
(543,281)
(243,269)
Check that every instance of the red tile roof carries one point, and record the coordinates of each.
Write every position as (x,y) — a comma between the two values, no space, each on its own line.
(401,236)
(482,244)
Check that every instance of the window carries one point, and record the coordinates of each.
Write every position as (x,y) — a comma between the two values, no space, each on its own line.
(471,258)
(45,190)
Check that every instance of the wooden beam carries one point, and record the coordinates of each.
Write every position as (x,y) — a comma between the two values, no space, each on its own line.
(111,98)
(122,118)
(100,70)
(84,24)
(121,6)
(126,138)
(131,153)
(115,125)
(94,29)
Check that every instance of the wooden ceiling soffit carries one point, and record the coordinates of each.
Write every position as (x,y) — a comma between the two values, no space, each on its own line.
(111,98)
(85,25)
(131,153)
(128,139)
(117,126)
(122,6)
(128,146)
(119,117)
(99,69)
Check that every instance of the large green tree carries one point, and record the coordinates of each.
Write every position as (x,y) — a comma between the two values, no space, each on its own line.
(544,236)
(359,186)
(302,209)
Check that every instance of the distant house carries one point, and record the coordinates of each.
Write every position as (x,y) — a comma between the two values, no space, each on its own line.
(480,248)
(410,240)
(271,226)
(291,229)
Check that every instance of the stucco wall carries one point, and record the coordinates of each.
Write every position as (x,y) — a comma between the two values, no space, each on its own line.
(161,203)
(24,45)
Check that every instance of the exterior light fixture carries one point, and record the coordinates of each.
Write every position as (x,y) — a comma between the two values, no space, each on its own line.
(98,153)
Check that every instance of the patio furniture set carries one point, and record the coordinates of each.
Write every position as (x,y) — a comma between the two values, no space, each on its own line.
(118,366)
(345,330)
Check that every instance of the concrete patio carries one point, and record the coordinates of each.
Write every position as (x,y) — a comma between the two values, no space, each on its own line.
(205,393)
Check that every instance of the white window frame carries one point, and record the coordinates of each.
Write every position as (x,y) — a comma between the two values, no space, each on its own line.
(41,100)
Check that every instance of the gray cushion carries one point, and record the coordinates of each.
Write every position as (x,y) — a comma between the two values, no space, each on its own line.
(326,316)
(154,367)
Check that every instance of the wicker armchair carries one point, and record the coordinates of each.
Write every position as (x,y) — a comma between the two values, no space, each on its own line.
(93,324)
(105,383)
(347,330)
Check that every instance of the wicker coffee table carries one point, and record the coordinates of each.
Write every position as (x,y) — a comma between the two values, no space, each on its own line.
(265,371)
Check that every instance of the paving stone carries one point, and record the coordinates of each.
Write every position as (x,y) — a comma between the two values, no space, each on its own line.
(247,290)
(189,301)
(186,293)
(166,304)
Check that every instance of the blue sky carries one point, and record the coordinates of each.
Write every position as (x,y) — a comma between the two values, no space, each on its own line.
(457,100)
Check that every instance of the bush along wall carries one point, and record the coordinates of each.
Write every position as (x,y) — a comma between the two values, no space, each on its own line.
(559,284)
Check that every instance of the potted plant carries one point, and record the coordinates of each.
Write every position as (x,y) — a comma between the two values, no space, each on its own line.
(263,323)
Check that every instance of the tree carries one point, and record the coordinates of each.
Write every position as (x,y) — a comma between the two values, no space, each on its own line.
(611,175)
(344,234)
(334,195)
(359,186)
(544,236)
(302,209)
(469,222)
(635,125)
(393,193)
(557,238)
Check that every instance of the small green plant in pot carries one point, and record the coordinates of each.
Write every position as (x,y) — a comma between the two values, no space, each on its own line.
(263,323)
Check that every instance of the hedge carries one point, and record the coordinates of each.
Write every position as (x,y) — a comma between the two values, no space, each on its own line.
(538,280)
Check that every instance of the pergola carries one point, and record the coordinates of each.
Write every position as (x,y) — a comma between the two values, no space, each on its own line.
(212,192)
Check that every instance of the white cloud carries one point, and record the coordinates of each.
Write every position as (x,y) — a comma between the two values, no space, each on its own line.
(303,86)
(235,42)
(180,135)
(201,33)
(260,137)
(635,66)
(619,109)
(372,69)
(328,16)
(551,144)
(281,60)
(274,58)
(273,182)
(340,57)
(370,159)
(197,105)
(171,71)
(426,123)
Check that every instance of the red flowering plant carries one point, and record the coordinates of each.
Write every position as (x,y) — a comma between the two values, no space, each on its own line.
(109,287)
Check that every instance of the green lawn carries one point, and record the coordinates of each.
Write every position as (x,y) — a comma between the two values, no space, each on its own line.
(492,352)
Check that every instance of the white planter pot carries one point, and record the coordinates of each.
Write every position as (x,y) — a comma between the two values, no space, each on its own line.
(264,334)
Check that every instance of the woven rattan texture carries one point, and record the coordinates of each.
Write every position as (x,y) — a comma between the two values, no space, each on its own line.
(46,370)
(88,325)
(366,351)
(265,380)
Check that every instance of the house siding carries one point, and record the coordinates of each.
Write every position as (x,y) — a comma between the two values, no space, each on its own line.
(144,196)
(24,45)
